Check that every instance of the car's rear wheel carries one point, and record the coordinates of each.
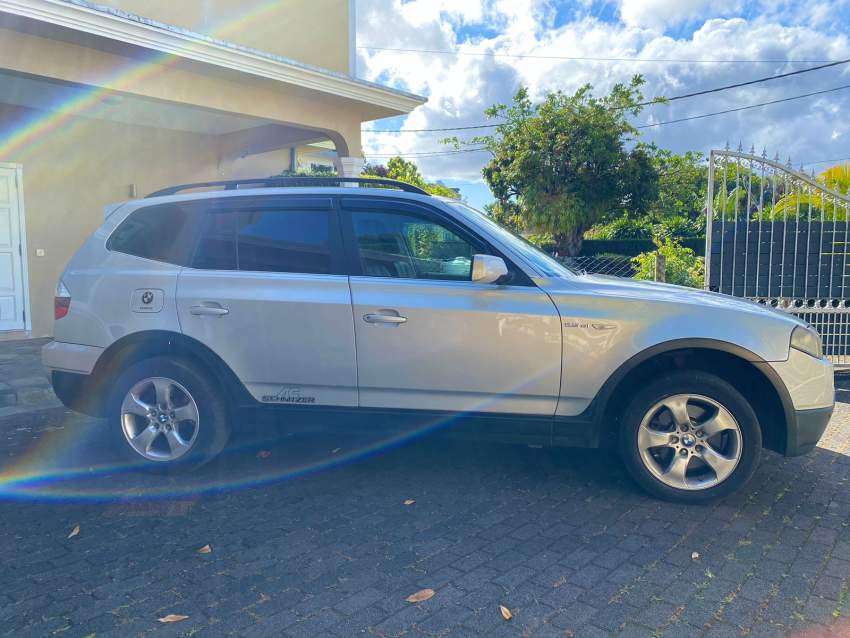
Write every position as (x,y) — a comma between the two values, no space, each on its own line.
(167,414)
(690,437)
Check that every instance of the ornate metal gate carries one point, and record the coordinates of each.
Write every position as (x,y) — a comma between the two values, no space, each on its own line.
(780,237)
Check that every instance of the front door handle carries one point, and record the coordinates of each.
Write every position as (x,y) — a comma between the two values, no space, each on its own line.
(208,310)
(395,320)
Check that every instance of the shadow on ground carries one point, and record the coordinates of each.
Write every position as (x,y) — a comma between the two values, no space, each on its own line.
(311,536)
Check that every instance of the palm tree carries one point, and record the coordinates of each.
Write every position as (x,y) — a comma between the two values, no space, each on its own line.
(818,203)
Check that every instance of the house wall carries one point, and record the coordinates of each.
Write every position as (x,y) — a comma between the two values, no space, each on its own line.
(86,164)
(312,31)
(186,83)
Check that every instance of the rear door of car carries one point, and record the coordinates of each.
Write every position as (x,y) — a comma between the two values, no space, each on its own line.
(266,291)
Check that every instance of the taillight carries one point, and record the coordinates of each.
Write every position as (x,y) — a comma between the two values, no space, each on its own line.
(62,300)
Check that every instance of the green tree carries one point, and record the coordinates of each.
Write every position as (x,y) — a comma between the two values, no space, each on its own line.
(569,161)
(836,178)
(679,209)
(682,186)
(406,171)
(682,266)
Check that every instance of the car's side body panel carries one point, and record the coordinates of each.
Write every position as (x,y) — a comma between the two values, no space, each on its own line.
(108,299)
(464,347)
(288,337)
(606,323)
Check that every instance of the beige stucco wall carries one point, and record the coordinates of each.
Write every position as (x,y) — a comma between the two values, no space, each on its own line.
(187,83)
(311,31)
(87,164)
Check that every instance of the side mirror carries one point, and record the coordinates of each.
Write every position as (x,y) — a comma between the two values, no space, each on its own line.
(487,269)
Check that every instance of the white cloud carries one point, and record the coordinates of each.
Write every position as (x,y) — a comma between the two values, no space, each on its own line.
(657,14)
(460,87)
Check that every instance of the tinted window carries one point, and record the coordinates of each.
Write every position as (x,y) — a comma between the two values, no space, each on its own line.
(410,247)
(284,241)
(161,232)
(217,246)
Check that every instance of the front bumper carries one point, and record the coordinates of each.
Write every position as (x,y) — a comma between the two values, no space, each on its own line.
(804,434)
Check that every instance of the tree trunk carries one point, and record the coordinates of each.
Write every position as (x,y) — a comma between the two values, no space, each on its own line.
(569,244)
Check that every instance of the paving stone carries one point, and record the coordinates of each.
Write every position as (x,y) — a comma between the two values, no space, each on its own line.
(571,547)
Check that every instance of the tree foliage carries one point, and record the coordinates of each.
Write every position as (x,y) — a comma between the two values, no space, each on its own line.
(682,266)
(570,161)
(805,204)
(406,171)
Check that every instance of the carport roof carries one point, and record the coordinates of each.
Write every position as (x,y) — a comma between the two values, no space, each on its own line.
(108,22)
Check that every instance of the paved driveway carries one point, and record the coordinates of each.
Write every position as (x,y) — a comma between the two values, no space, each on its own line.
(311,536)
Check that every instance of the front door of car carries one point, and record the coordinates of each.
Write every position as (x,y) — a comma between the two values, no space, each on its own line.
(266,292)
(428,338)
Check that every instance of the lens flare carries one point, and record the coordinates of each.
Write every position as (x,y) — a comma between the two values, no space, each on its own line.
(70,461)
(61,120)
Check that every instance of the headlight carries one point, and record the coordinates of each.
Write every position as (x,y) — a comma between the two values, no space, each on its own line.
(807,340)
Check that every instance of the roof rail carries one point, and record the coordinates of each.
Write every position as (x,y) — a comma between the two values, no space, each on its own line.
(292,181)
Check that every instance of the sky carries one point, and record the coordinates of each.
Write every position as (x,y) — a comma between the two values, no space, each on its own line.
(711,42)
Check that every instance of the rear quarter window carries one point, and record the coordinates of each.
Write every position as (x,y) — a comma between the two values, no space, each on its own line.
(162,233)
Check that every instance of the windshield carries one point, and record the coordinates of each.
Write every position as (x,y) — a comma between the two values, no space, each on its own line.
(545,263)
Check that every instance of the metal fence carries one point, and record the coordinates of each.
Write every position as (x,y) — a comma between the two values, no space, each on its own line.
(780,237)
(614,265)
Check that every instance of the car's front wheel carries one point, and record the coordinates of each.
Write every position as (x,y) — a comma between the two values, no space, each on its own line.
(690,437)
(167,413)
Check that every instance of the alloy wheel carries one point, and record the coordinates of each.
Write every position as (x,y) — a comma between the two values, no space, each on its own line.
(160,419)
(690,442)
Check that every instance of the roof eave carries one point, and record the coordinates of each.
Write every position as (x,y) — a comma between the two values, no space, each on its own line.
(113,24)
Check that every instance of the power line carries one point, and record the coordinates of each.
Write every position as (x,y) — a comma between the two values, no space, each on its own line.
(427,154)
(744,108)
(642,126)
(647,103)
(587,58)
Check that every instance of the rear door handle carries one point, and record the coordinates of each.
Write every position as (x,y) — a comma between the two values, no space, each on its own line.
(380,318)
(208,310)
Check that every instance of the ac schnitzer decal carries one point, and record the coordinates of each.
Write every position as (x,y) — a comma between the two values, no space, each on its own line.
(288,395)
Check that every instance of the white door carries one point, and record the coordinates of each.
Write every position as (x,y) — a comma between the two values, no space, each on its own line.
(12,309)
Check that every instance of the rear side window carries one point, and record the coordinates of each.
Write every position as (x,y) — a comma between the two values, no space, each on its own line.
(266,240)
(284,241)
(217,246)
(162,233)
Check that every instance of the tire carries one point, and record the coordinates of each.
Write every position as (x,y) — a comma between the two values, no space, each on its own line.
(712,455)
(190,415)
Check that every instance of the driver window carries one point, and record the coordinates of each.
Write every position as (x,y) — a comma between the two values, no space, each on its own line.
(406,246)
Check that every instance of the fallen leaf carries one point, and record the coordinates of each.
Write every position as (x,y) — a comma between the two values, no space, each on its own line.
(74,531)
(335,450)
(206,549)
(506,613)
(695,556)
(421,595)
(263,454)
(172,618)
(409,501)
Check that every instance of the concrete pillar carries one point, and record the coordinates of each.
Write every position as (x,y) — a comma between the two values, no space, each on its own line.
(349,166)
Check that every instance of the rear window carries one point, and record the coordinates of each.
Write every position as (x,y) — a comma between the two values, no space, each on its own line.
(284,241)
(266,240)
(162,233)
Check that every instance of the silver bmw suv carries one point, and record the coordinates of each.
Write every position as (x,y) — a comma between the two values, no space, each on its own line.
(312,297)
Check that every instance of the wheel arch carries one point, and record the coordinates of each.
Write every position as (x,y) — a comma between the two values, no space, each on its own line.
(748,372)
(142,345)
